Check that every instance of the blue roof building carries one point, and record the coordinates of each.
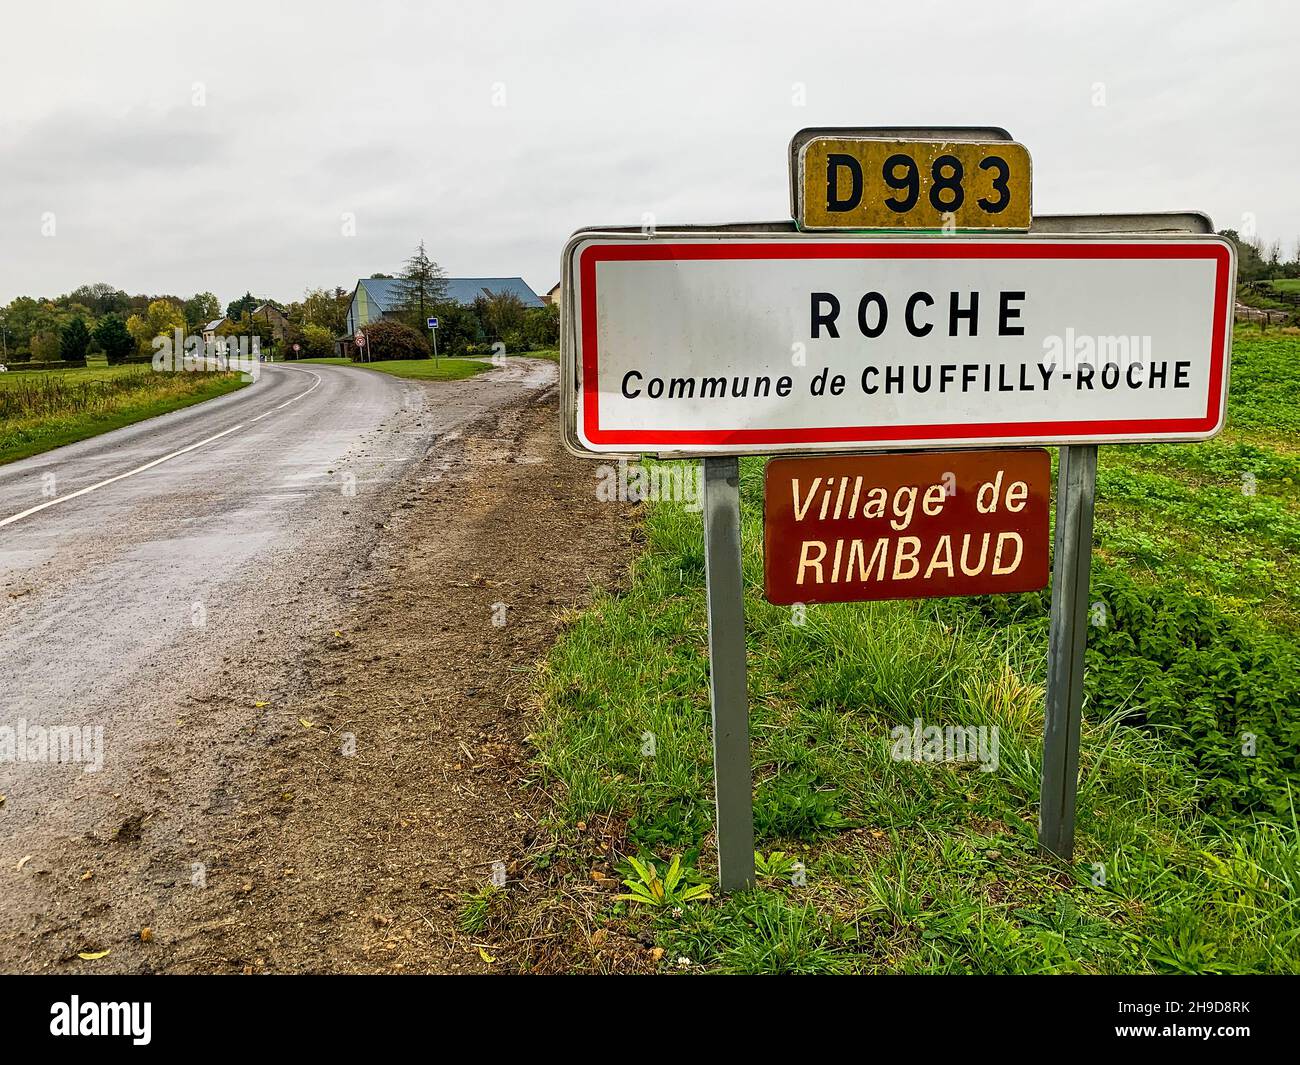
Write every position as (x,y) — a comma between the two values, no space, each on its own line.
(375,297)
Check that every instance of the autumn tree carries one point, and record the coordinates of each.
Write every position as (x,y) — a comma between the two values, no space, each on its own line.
(161,319)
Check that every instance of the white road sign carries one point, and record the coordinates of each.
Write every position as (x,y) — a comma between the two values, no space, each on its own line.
(764,343)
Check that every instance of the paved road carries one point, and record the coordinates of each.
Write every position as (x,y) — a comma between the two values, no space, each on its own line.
(131,563)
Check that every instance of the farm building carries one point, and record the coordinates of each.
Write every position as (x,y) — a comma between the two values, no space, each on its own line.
(375,297)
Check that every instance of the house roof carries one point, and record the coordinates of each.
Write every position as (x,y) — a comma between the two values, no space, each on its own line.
(387,291)
(213,325)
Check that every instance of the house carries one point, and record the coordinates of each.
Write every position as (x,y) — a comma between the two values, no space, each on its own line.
(275,318)
(375,297)
(210,330)
(553,295)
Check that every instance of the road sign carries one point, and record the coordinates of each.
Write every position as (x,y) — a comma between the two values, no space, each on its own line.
(297,348)
(784,342)
(765,339)
(852,528)
(432,323)
(847,182)
(360,339)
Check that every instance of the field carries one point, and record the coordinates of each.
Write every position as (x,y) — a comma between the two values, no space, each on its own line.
(1187,858)
(40,410)
(416,369)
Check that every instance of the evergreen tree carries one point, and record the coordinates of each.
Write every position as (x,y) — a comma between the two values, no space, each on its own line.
(422,284)
(114,338)
(74,341)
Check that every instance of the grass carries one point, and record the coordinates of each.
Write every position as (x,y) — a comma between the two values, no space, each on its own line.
(450,369)
(1187,856)
(41,410)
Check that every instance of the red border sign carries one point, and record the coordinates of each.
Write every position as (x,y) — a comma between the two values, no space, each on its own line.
(1036,432)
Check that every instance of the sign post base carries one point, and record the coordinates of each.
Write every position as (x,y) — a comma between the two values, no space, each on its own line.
(725,587)
(1067,641)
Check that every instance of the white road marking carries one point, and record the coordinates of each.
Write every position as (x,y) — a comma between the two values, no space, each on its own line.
(165,458)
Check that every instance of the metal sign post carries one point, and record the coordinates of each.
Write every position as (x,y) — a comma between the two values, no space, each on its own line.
(1067,641)
(728,689)
(432,323)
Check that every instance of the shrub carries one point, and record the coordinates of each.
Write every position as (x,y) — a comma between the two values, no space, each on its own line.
(542,327)
(390,339)
(1205,680)
(317,342)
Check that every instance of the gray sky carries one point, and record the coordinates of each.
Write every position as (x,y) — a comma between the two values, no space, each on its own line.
(218,146)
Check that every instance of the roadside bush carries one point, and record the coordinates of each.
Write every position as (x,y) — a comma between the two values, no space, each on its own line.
(389,339)
(542,327)
(317,342)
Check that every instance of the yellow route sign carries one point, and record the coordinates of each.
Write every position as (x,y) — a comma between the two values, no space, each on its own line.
(886,183)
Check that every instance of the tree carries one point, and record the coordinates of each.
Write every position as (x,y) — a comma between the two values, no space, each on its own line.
(161,319)
(200,309)
(458,328)
(390,339)
(422,284)
(502,313)
(1250,264)
(246,304)
(329,310)
(112,335)
(45,346)
(101,298)
(74,341)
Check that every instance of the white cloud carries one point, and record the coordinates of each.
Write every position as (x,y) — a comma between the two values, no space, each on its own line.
(683,110)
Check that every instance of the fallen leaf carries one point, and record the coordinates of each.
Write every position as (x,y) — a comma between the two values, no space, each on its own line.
(305,723)
(258,705)
(485,956)
(146,935)
(25,859)
(86,955)
(657,954)
(87,875)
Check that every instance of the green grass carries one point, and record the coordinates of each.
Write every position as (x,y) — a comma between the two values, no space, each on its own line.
(44,410)
(451,369)
(1187,855)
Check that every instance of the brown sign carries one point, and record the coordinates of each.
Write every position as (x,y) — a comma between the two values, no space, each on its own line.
(910,526)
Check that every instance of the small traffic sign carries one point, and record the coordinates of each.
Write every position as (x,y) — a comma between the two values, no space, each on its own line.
(432,323)
(297,347)
(360,339)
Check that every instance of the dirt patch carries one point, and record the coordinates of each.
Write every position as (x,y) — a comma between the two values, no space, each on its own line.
(385,768)
(356,862)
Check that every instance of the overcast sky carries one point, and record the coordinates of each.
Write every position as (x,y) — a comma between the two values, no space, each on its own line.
(191,147)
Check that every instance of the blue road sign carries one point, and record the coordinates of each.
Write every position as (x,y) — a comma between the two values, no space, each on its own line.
(432,323)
